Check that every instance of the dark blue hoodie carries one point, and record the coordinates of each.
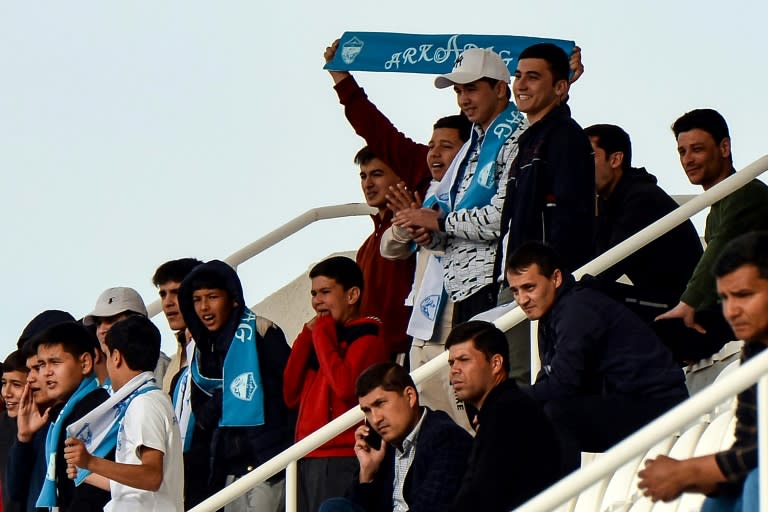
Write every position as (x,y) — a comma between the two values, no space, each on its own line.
(590,344)
(237,450)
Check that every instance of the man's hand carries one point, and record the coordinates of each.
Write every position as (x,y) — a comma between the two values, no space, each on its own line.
(76,456)
(417,218)
(400,198)
(328,55)
(577,67)
(663,478)
(686,312)
(421,236)
(369,458)
(29,419)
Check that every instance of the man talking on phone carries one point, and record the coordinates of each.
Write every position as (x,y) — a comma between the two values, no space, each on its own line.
(411,457)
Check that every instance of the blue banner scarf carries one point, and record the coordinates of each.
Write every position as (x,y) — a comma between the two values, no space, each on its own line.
(98,429)
(425,53)
(483,186)
(242,391)
(48,496)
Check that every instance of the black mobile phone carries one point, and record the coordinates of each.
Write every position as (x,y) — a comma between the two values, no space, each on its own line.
(373,438)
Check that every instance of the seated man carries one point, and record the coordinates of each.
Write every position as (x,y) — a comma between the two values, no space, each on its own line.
(628,201)
(516,452)
(695,327)
(730,477)
(328,355)
(604,372)
(237,371)
(411,457)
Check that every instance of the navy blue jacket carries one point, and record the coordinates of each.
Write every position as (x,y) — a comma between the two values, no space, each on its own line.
(551,191)
(515,455)
(432,481)
(662,267)
(26,469)
(590,344)
(237,450)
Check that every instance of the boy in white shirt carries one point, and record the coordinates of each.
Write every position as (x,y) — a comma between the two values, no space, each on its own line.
(147,473)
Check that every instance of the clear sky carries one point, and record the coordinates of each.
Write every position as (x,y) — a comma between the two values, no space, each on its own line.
(136,132)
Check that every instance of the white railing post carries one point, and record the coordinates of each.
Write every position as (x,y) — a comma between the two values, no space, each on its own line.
(291,487)
(639,442)
(273,237)
(762,440)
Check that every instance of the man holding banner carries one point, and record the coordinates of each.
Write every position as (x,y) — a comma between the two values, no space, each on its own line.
(470,212)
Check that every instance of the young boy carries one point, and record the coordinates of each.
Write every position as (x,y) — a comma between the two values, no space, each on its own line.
(65,356)
(327,357)
(14,379)
(147,472)
(237,371)
(178,380)
(26,458)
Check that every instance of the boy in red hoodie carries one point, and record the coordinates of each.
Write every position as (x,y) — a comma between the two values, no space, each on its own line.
(328,355)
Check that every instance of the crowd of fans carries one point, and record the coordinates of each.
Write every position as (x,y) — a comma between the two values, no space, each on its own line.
(98,418)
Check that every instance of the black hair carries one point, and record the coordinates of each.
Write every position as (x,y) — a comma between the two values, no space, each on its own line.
(364,156)
(458,122)
(485,336)
(138,341)
(174,270)
(341,269)
(74,338)
(555,57)
(209,280)
(15,362)
(612,139)
(534,252)
(493,81)
(707,119)
(747,249)
(388,375)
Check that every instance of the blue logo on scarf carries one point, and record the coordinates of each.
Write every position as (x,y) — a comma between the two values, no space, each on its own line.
(425,53)
(241,380)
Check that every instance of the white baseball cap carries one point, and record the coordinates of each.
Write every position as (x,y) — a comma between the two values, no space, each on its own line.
(114,301)
(474,64)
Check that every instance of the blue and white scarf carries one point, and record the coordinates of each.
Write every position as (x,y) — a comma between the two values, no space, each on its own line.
(243,394)
(48,495)
(484,184)
(98,429)
(182,400)
(432,54)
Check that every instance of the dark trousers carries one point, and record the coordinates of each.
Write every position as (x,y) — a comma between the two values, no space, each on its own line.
(482,300)
(323,478)
(594,423)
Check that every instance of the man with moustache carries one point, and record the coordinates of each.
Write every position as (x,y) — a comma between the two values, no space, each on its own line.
(729,477)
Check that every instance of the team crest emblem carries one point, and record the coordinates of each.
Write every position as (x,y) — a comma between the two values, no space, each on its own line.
(350,50)
(243,386)
(429,305)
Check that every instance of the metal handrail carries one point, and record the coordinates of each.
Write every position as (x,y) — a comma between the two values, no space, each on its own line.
(669,423)
(291,227)
(509,320)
